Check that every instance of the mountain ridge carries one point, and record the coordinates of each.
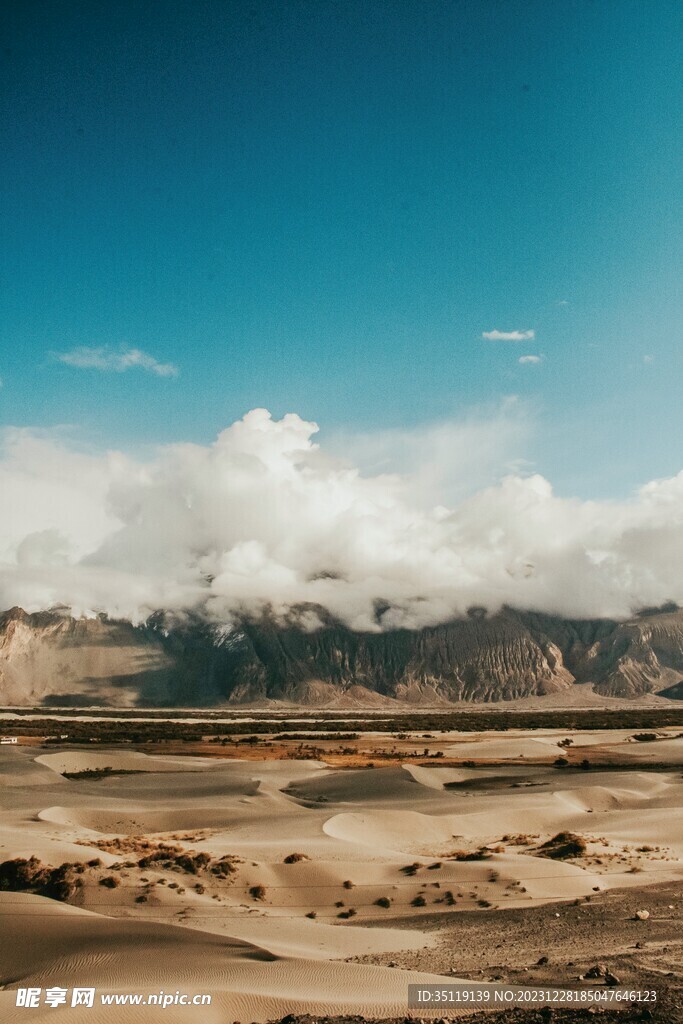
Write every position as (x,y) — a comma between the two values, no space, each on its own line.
(50,658)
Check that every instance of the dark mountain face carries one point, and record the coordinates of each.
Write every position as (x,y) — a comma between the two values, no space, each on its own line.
(51,658)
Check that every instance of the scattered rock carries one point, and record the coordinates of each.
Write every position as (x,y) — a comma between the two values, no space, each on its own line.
(596,971)
(642,915)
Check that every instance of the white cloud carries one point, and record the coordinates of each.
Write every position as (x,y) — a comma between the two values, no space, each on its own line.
(530,360)
(265,517)
(508,335)
(443,461)
(111,360)
(648,359)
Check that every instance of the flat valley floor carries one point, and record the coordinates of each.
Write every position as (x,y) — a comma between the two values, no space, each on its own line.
(281,881)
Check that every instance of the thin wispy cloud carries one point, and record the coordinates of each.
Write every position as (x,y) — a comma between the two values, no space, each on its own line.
(110,360)
(496,335)
(530,360)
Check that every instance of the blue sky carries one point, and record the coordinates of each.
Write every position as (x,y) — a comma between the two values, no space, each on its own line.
(321,206)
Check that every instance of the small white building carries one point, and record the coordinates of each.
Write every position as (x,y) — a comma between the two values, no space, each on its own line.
(8,739)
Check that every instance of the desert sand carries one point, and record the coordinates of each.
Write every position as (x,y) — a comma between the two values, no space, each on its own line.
(315,879)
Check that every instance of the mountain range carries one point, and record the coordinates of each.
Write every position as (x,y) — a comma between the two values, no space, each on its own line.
(52,659)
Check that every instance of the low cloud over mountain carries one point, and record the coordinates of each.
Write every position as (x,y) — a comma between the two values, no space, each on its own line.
(265,518)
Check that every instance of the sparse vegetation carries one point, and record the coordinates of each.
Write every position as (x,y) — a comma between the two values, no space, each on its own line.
(110,881)
(167,855)
(483,853)
(193,862)
(31,875)
(563,846)
(224,867)
(521,839)
(120,725)
(100,773)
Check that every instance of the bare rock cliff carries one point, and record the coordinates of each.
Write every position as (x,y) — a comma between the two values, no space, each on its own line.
(50,658)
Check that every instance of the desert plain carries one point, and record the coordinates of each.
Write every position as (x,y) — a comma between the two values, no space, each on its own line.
(320,873)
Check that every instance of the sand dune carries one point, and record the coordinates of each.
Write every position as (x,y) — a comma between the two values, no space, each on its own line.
(542,744)
(142,819)
(359,786)
(392,831)
(245,980)
(129,760)
(437,778)
(395,848)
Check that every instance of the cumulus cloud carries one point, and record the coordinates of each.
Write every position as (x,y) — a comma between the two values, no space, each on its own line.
(266,518)
(530,360)
(110,360)
(508,335)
